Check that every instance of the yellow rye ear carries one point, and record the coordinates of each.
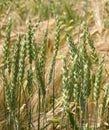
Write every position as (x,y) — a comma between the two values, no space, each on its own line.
(59,57)
(54,120)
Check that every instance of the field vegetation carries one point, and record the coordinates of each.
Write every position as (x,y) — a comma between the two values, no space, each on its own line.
(54,65)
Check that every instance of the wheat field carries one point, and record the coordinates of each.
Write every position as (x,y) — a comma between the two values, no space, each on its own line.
(54,65)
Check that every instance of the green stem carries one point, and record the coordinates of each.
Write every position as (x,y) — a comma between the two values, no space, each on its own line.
(75,118)
(81,111)
(38,108)
(53,97)
(86,113)
(19,108)
(62,117)
(45,106)
(96,116)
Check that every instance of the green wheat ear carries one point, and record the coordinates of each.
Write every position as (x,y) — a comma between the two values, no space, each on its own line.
(42,57)
(56,47)
(105,97)
(78,78)
(29,84)
(98,76)
(72,47)
(22,61)
(77,88)
(88,38)
(34,29)
(84,49)
(6,56)
(86,81)
(15,68)
(71,75)
(29,42)
(37,69)
(65,86)
(6,89)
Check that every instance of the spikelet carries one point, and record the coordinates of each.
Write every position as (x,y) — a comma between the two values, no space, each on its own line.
(6,58)
(22,61)
(15,67)
(65,86)
(98,76)
(37,69)
(29,42)
(56,46)
(104,101)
